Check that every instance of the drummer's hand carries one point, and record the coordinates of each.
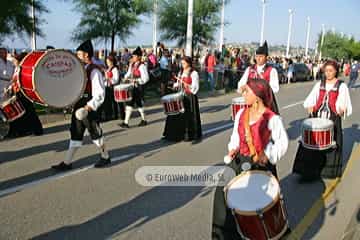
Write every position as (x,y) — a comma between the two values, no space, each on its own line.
(341,111)
(232,153)
(88,108)
(262,159)
(310,110)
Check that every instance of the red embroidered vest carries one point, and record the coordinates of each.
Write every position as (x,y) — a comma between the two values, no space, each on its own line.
(253,73)
(188,81)
(260,133)
(332,96)
(135,69)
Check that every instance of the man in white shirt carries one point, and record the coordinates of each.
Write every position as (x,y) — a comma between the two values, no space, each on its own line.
(84,114)
(6,71)
(264,71)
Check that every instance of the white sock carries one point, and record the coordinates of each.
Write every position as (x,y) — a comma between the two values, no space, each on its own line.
(128,112)
(74,145)
(100,144)
(70,155)
(142,113)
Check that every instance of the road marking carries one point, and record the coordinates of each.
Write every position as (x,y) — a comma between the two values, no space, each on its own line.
(301,228)
(292,105)
(218,128)
(57,176)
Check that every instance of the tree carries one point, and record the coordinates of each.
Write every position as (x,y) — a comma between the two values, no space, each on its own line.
(173,20)
(339,47)
(15,18)
(104,19)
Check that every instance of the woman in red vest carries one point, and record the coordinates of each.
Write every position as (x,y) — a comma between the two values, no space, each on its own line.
(186,126)
(328,99)
(258,141)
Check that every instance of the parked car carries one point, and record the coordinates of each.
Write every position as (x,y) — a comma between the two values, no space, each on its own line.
(300,73)
(281,72)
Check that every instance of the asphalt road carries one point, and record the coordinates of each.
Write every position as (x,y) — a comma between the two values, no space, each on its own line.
(88,203)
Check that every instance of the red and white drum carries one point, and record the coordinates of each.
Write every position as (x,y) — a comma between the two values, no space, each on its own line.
(237,104)
(317,133)
(11,109)
(53,78)
(255,200)
(173,104)
(123,92)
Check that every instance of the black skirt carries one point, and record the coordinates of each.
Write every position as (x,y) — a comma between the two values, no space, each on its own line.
(312,164)
(29,123)
(223,223)
(185,126)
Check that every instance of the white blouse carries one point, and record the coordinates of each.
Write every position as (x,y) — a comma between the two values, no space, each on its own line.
(274,78)
(144,75)
(276,148)
(115,78)
(343,101)
(194,88)
(97,89)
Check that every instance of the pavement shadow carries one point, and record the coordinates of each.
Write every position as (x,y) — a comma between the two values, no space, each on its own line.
(125,217)
(351,136)
(59,146)
(300,198)
(294,131)
(216,108)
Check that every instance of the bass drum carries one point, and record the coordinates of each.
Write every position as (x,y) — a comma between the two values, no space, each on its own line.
(54,78)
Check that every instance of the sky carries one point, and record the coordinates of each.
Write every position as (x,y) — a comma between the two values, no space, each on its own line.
(243,18)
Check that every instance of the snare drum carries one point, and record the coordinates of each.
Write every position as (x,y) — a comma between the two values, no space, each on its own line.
(53,78)
(11,109)
(123,92)
(173,103)
(317,133)
(255,200)
(237,104)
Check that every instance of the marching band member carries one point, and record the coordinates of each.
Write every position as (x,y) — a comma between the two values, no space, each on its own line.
(84,115)
(328,99)
(29,123)
(258,141)
(186,126)
(138,75)
(6,71)
(112,77)
(264,71)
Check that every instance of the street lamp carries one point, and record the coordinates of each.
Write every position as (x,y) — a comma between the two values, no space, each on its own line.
(155,27)
(189,31)
(221,42)
(262,22)
(322,40)
(33,35)
(307,36)
(291,12)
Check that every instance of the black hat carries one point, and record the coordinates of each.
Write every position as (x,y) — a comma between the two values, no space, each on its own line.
(48,47)
(263,50)
(137,52)
(86,47)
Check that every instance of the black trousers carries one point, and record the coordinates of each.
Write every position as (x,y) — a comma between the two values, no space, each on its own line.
(91,123)
(137,97)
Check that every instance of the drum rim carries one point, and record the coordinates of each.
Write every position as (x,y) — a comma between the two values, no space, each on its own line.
(330,123)
(33,77)
(253,213)
(7,101)
(233,100)
(180,97)
(117,87)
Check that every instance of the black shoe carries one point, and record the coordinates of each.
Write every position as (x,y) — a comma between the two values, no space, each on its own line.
(124,125)
(62,166)
(142,123)
(196,141)
(102,162)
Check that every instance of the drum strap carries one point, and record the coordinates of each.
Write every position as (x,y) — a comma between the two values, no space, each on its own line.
(249,139)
